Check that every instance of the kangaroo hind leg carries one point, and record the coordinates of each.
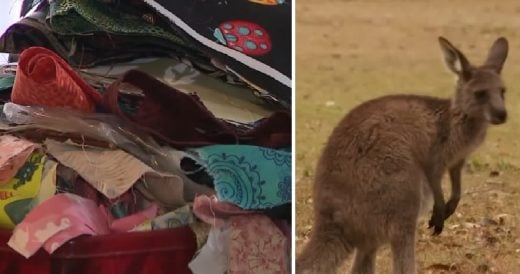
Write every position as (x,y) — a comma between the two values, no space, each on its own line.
(403,250)
(364,260)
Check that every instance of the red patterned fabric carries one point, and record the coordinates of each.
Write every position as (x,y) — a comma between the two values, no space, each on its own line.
(175,117)
(182,120)
(44,79)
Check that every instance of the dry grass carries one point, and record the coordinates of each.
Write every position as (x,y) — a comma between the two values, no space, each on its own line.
(351,51)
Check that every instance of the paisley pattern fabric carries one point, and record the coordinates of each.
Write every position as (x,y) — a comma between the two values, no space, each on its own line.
(249,176)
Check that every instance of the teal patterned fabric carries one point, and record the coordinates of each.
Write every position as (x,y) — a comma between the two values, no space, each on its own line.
(249,176)
(6,82)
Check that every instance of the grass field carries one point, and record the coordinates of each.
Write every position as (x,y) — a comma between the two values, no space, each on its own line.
(352,51)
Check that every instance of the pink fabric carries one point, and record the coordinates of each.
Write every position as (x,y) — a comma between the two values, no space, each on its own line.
(15,152)
(286,229)
(128,223)
(59,239)
(256,245)
(57,215)
(214,212)
(64,217)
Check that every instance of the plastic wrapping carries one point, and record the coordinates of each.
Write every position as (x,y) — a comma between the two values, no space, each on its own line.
(105,127)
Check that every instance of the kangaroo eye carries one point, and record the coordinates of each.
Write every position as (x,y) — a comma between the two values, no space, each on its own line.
(481,94)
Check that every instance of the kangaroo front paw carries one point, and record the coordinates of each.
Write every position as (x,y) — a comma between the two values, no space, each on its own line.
(437,221)
(450,207)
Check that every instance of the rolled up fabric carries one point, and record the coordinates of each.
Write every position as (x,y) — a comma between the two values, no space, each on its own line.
(45,79)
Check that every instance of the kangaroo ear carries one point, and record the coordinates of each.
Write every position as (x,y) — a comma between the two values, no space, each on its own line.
(455,60)
(497,54)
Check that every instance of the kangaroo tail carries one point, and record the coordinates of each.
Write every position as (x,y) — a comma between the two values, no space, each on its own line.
(326,250)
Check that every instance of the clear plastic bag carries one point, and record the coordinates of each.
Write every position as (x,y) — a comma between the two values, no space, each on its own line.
(104,127)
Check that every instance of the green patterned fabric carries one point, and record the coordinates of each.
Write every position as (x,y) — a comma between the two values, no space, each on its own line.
(90,16)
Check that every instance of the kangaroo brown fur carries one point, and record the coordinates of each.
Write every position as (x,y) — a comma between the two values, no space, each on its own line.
(387,157)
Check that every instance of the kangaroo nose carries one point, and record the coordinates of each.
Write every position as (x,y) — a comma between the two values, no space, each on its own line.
(500,116)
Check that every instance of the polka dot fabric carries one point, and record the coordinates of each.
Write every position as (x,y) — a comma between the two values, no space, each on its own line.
(45,79)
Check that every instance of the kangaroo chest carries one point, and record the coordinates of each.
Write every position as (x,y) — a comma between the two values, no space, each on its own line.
(467,142)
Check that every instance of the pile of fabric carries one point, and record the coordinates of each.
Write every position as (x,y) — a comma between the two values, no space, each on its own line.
(139,115)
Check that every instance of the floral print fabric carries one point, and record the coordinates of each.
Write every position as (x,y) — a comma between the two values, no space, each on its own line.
(15,152)
(256,245)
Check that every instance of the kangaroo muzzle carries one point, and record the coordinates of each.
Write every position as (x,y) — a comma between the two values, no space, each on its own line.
(498,117)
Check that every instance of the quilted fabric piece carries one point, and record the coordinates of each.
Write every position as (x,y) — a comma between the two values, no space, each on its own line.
(45,79)
(256,245)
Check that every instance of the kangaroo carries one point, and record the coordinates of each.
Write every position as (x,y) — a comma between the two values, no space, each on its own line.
(383,165)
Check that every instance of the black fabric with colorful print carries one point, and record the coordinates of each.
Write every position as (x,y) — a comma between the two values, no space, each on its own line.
(252,37)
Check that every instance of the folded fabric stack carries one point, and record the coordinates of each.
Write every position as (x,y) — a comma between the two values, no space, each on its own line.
(134,116)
